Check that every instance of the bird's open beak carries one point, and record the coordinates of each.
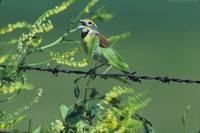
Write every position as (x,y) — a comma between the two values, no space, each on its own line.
(81,27)
(82,21)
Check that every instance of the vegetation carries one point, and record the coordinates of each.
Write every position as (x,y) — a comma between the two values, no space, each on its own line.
(119,110)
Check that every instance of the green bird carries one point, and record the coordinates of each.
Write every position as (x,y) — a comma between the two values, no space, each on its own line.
(98,48)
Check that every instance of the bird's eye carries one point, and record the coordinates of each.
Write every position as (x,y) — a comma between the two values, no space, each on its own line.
(89,22)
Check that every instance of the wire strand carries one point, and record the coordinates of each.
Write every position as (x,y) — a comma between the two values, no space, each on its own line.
(132,76)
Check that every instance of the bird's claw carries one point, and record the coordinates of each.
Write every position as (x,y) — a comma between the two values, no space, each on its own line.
(132,76)
(92,73)
(55,70)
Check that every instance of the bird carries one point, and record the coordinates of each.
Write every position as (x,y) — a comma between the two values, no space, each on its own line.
(97,47)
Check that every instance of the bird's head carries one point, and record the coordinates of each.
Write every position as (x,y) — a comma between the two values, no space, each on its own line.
(87,24)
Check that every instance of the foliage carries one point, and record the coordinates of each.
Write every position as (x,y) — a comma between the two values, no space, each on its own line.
(102,14)
(112,113)
(114,39)
(14,87)
(11,27)
(67,58)
(8,120)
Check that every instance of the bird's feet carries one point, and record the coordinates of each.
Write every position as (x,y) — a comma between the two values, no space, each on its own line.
(133,77)
(92,72)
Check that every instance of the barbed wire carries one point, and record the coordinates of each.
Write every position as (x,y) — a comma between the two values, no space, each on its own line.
(92,73)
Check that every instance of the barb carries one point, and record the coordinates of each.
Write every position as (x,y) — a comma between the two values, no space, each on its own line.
(132,76)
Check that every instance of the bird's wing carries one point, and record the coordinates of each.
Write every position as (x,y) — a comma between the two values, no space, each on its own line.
(115,59)
(103,42)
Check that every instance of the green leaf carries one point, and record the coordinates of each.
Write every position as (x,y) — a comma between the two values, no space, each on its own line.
(38,130)
(27,86)
(102,14)
(184,118)
(17,119)
(30,129)
(149,129)
(64,111)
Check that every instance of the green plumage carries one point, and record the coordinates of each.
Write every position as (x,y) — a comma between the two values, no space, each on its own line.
(96,49)
(106,55)
(114,59)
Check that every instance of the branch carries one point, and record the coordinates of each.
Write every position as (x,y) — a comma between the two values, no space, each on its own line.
(131,76)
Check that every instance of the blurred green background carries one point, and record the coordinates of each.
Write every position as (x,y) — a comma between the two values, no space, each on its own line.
(165,41)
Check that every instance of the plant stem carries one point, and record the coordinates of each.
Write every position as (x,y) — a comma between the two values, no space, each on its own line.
(59,40)
(39,63)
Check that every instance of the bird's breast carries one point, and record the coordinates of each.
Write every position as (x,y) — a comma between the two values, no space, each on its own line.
(84,46)
(86,41)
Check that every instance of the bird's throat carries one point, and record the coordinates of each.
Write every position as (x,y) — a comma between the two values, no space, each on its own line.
(84,34)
